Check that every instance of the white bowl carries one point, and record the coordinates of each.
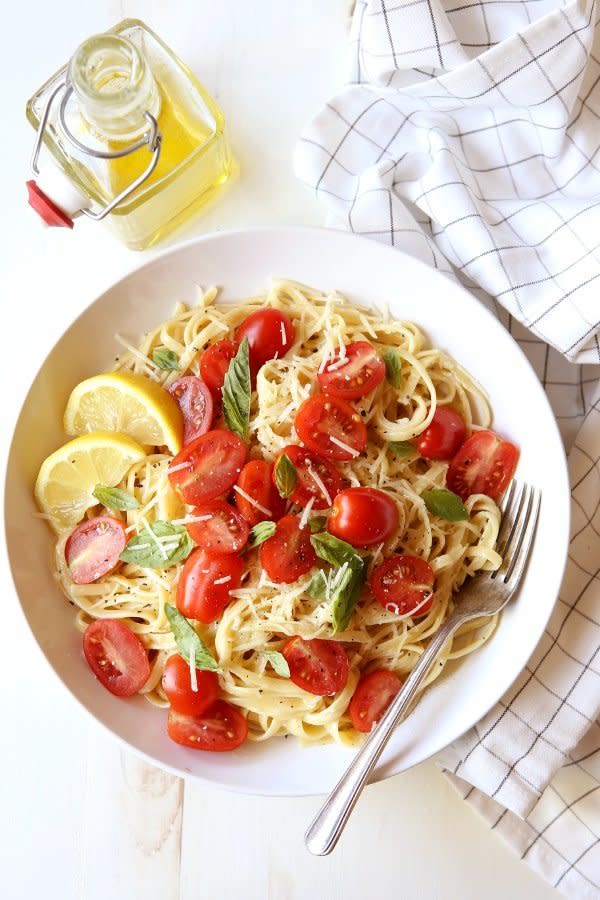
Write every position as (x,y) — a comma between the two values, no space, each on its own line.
(367,272)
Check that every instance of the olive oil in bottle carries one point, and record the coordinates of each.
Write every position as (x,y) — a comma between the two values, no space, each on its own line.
(134,136)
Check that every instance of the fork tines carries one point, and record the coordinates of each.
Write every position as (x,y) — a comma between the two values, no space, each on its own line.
(520,509)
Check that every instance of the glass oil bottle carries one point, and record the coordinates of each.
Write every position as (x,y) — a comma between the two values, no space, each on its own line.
(135,138)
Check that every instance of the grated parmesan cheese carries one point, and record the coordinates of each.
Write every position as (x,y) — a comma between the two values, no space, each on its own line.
(319,482)
(354,453)
(306,513)
(188,520)
(251,500)
(193,676)
(222,580)
(179,467)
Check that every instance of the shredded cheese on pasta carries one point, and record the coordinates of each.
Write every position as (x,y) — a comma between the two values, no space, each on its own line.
(264,614)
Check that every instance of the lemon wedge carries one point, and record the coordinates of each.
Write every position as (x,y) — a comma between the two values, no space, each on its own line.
(68,477)
(129,404)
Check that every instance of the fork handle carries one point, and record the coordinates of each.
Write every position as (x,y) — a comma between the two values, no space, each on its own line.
(324,831)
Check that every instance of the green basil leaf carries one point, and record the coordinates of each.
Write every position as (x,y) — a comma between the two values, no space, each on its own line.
(278,661)
(236,392)
(332,550)
(445,504)
(393,367)
(317,523)
(345,595)
(260,533)
(143,549)
(115,498)
(189,643)
(286,476)
(165,359)
(317,589)
(402,448)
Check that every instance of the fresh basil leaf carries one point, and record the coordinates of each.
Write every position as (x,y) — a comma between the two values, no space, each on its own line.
(402,448)
(317,588)
(346,593)
(143,550)
(286,476)
(317,523)
(189,643)
(332,550)
(445,504)
(393,367)
(260,533)
(278,661)
(165,359)
(115,498)
(236,392)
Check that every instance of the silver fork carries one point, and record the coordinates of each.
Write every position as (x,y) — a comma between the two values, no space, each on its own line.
(483,595)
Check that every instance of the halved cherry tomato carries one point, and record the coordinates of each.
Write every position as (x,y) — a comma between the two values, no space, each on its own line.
(289,553)
(363,516)
(212,465)
(116,656)
(214,363)
(372,696)
(177,685)
(485,464)
(205,582)
(196,404)
(318,666)
(307,487)
(443,436)
(363,370)
(256,480)
(270,333)
(403,583)
(222,529)
(93,549)
(222,727)
(324,422)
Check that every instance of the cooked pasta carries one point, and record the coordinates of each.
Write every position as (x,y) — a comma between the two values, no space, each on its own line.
(263,613)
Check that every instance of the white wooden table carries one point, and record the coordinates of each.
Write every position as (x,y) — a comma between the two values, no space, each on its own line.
(79,816)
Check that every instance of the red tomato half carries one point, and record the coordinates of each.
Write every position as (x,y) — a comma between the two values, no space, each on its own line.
(485,464)
(324,422)
(363,370)
(208,467)
(289,553)
(177,685)
(363,516)
(318,666)
(116,656)
(443,436)
(256,480)
(214,363)
(222,727)
(307,487)
(196,404)
(223,529)
(372,696)
(402,583)
(93,549)
(270,333)
(205,582)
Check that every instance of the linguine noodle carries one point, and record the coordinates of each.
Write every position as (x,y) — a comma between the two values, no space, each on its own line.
(264,614)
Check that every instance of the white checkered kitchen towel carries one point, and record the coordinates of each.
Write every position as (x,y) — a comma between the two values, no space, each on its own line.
(469,135)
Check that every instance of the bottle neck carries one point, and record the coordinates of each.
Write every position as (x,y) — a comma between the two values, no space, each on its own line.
(114,87)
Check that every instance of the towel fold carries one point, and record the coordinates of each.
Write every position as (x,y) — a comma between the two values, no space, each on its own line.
(469,135)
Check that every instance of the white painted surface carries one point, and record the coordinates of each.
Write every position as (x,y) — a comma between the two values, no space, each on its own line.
(79,818)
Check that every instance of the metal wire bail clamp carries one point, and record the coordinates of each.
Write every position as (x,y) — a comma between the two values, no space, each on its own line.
(152,139)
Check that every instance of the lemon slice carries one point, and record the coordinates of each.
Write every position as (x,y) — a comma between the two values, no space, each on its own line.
(129,404)
(67,478)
